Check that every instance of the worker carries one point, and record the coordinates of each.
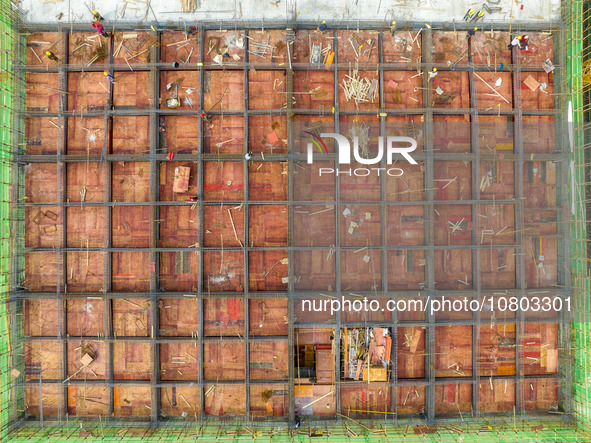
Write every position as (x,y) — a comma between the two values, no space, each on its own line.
(96,16)
(392,27)
(323,26)
(170,156)
(194,198)
(109,76)
(523,42)
(98,26)
(520,41)
(247,156)
(433,73)
(191,30)
(51,56)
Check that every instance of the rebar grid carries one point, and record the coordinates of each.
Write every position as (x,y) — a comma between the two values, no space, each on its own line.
(154,295)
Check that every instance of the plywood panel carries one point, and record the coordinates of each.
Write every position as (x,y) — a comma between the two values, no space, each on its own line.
(223,317)
(268,225)
(224,400)
(96,370)
(131,89)
(131,361)
(266,271)
(86,135)
(359,397)
(38,43)
(358,274)
(223,272)
(179,361)
(223,361)
(131,181)
(179,317)
(87,401)
(220,224)
(268,361)
(410,352)
(177,400)
(453,347)
(269,400)
(41,317)
(41,136)
(180,133)
(85,317)
(131,317)
(176,46)
(267,180)
(43,359)
(268,317)
(132,401)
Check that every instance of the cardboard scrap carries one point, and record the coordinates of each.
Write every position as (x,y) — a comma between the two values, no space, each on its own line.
(86,360)
(181,179)
(531,83)
(392,84)
(552,360)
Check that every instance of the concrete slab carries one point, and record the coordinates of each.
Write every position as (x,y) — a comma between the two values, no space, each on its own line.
(304,10)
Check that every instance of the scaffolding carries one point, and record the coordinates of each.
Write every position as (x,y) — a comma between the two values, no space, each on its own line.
(579,32)
(573,379)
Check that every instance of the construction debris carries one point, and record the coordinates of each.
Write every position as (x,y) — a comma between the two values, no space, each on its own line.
(359,89)
(366,353)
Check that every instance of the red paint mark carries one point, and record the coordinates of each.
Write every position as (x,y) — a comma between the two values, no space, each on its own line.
(443,193)
(451,393)
(532,354)
(233,308)
(360,185)
(223,187)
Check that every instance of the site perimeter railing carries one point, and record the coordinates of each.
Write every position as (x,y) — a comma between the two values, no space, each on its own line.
(576,19)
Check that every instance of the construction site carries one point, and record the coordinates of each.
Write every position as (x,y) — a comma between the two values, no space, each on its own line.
(178,224)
